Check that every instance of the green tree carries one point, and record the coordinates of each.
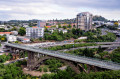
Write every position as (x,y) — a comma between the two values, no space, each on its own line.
(22,31)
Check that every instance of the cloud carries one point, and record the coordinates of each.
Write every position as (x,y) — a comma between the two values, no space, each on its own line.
(52,9)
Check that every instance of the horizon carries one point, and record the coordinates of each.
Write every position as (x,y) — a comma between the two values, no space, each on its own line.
(51,9)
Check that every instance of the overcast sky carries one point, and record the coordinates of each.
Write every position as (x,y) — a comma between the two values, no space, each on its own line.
(60,9)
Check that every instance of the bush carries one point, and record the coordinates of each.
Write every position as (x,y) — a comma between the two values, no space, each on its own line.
(40,69)
(45,69)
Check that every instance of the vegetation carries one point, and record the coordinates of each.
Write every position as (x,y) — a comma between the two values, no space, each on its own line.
(22,31)
(74,33)
(3,38)
(115,56)
(110,37)
(83,52)
(69,74)
(53,64)
(2,30)
(68,46)
(5,57)
(112,27)
(13,71)
(99,18)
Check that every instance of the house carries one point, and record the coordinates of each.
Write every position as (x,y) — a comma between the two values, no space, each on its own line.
(63,30)
(51,29)
(23,39)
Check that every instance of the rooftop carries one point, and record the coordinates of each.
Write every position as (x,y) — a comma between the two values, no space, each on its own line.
(5,32)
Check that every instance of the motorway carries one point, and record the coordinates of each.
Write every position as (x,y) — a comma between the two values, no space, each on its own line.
(102,46)
(48,44)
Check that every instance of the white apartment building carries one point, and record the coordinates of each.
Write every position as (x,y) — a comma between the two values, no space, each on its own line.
(34,32)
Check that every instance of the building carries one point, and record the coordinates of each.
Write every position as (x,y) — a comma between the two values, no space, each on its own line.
(109,23)
(5,33)
(41,23)
(84,21)
(11,38)
(119,24)
(14,32)
(80,38)
(62,30)
(23,39)
(34,32)
(51,29)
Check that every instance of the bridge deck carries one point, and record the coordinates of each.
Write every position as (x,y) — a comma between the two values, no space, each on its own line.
(79,59)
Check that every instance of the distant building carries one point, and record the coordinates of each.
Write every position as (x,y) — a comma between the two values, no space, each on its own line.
(62,30)
(25,25)
(119,24)
(41,23)
(51,29)
(109,23)
(2,26)
(34,32)
(84,21)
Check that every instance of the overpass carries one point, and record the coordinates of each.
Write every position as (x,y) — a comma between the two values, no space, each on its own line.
(36,52)
(107,42)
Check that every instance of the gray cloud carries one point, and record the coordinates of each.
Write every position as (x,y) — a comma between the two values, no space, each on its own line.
(59,8)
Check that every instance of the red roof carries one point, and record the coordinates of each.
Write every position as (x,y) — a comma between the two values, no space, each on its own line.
(48,26)
(34,27)
(5,32)
(26,39)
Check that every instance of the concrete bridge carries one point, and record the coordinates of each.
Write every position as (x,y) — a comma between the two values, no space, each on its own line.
(37,56)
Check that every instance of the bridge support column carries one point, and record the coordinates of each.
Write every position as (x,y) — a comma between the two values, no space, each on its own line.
(31,60)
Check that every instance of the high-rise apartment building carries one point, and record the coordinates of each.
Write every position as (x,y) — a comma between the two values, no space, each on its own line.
(84,21)
(34,32)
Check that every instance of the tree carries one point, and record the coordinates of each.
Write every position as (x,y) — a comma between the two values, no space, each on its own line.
(22,31)
(64,27)
(69,26)
(59,26)
(116,55)
(2,30)
(116,24)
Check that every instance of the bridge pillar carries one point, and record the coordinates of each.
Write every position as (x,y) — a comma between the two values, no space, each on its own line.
(31,60)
